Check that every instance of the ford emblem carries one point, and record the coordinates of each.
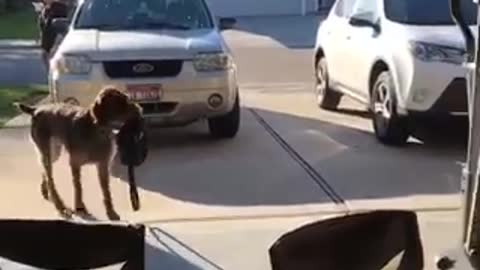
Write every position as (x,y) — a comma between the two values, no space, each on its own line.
(143,68)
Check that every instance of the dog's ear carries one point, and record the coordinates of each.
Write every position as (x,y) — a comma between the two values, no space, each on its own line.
(96,112)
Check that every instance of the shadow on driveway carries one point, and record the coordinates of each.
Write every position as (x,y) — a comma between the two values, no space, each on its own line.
(186,164)
(177,249)
(251,170)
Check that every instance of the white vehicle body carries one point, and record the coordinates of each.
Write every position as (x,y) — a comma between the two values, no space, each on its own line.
(354,52)
(402,59)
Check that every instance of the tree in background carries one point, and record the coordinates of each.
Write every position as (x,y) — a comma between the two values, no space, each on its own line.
(3,6)
(8,5)
(17,4)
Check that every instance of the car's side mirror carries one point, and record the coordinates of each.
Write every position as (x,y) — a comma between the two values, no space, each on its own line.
(227,23)
(60,25)
(367,241)
(362,22)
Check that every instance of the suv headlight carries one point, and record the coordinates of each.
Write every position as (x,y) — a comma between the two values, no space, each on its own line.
(437,53)
(212,61)
(72,64)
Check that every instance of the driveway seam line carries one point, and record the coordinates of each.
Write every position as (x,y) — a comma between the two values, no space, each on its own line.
(320,181)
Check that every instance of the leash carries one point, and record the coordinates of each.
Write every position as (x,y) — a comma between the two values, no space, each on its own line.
(134,199)
(133,149)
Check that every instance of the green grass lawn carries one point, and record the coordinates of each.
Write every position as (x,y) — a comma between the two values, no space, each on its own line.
(9,95)
(19,24)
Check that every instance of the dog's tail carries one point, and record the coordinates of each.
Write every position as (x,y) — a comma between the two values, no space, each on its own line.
(25,108)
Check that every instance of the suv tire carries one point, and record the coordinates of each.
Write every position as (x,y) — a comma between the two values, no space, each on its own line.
(226,126)
(390,127)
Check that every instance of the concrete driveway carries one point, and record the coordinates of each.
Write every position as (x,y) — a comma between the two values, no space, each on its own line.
(220,204)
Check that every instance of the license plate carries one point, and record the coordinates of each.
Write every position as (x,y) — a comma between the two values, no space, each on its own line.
(145,92)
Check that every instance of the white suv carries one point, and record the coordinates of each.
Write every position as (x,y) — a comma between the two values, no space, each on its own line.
(402,58)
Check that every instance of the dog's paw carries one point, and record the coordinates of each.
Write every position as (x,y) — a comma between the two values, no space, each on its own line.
(135,200)
(44,190)
(66,213)
(81,210)
(84,214)
(112,215)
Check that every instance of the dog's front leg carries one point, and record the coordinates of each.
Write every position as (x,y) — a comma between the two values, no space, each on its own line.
(104,178)
(77,189)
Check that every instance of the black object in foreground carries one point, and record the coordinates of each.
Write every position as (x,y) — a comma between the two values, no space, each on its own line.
(66,245)
(366,241)
(133,151)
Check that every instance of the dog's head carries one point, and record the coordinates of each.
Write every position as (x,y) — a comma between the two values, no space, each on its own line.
(113,106)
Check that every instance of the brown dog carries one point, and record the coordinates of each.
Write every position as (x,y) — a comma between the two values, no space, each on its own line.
(87,135)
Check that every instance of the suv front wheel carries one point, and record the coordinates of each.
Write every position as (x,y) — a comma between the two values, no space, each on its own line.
(226,126)
(390,127)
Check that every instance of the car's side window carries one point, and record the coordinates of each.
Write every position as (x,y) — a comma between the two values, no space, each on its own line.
(339,8)
(344,8)
(366,9)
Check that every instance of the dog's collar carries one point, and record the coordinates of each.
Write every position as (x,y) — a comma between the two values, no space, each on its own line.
(106,129)
(110,126)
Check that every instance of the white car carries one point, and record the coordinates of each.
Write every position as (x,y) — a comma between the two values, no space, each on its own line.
(402,58)
(168,55)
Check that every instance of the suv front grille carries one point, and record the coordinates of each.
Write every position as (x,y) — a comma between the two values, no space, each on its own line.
(158,108)
(142,68)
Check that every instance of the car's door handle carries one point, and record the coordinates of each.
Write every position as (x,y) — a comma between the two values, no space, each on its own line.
(349,37)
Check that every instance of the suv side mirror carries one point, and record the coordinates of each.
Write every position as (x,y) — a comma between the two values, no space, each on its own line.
(363,22)
(227,23)
(60,25)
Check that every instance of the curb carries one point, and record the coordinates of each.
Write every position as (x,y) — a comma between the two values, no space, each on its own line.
(18,44)
(19,47)
(23,120)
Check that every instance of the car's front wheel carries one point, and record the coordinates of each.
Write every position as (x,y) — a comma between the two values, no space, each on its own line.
(226,126)
(390,127)
(327,98)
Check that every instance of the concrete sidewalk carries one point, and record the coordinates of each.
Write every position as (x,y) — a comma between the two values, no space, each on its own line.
(289,31)
(18,44)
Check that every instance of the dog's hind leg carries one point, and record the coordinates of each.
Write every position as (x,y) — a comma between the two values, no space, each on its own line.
(52,190)
(54,151)
(48,156)
(104,178)
(44,187)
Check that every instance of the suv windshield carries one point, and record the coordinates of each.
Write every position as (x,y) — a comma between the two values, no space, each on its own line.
(427,12)
(143,14)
